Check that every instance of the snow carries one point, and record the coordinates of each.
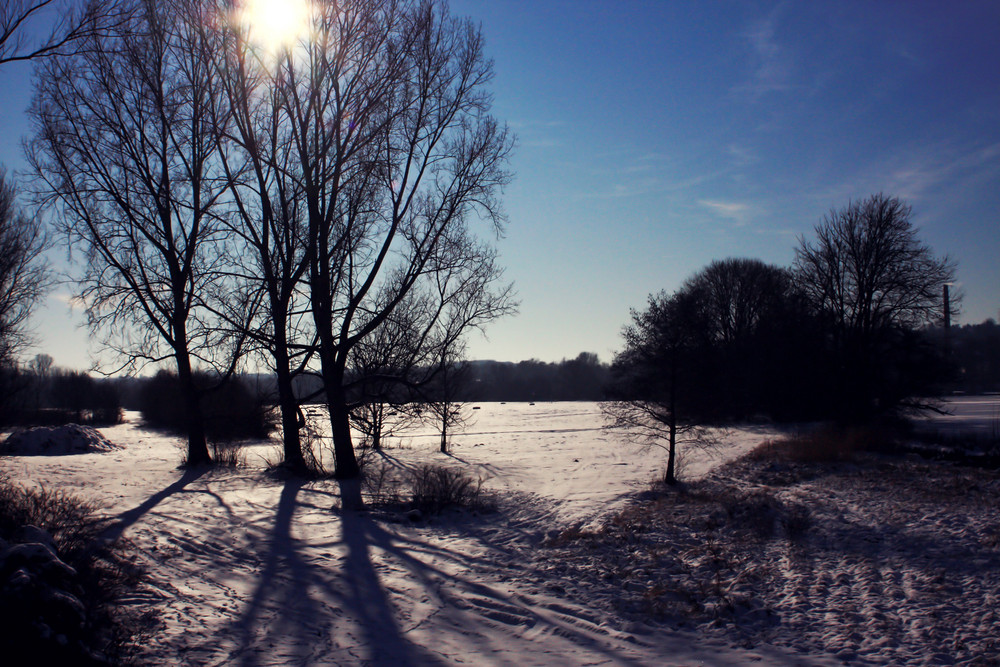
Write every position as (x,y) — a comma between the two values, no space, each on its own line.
(56,441)
(248,569)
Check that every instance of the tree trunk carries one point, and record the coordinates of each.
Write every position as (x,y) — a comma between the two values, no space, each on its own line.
(444,432)
(293,458)
(345,462)
(670,478)
(197,444)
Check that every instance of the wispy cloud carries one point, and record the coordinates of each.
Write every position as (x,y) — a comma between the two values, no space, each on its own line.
(74,302)
(741,156)
(772,64)
(633,188)
(738,212)
(538,134)
(526,124)
(932,171)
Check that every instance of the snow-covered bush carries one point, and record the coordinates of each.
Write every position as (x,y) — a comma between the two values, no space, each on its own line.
(58,584)
(57,441)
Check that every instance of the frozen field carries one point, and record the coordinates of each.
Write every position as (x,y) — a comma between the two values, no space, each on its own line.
(977,415)
(245,569)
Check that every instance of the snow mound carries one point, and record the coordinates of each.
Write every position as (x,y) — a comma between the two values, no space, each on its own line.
(68,439)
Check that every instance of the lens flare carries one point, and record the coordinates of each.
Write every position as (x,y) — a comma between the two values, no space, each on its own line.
(276,24)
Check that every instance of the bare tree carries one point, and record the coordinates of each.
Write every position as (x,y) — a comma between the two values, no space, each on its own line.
(268,218)
(396,154)
(126,159)
(759,330)
(874,281)
(654,379)
(24,273)
(69,27)
(446,402)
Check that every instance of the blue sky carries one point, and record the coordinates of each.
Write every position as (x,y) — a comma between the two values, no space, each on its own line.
(655,137)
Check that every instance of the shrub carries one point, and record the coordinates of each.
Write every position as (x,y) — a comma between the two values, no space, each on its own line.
(229,454)
(824,445)
(59,585)
(380,485)
(435,487)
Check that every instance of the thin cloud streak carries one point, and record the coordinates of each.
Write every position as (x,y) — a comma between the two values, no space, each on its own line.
(773,69)
(738,212)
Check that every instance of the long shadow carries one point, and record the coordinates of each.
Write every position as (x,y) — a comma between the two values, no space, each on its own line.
(368,599)
(336,605)
(362,534)
(305,592)
(281,556)
(126,519)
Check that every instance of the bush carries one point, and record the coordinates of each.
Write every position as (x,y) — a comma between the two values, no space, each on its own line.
(59,584)
(231,410)
(435,487)
(379,484)
(824,445)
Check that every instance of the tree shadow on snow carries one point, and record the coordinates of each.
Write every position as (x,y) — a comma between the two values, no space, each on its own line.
(123,521)
(366,595)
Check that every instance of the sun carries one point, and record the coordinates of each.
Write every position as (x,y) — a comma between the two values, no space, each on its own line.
(276,24)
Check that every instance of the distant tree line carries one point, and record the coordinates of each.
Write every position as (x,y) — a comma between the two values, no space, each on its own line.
(47,395)
(973,352)
(583,378)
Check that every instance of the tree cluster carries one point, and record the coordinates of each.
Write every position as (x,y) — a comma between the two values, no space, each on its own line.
(232,410)
(314,209)
(49,395)
(840,335)
(582,378)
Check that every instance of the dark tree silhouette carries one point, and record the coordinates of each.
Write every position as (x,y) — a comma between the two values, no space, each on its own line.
(24,273)
(70,26)
(732,343)
(396,154)
(762,340)
(268,219)
(874,284)
(126,158)
(656,391)
(975,352)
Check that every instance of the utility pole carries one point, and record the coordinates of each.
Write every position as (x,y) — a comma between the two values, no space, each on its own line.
(947,320)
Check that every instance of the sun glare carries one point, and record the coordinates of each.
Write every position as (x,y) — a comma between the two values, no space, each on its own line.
(276,24)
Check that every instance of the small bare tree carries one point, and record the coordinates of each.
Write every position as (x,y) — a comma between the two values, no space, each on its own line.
(654,379)
(447,397)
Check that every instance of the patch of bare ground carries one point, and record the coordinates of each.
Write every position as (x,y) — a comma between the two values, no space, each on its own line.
(871,558)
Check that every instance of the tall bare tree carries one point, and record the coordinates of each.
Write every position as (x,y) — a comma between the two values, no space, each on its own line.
(873,280)
(24,273)
(21,37)
(126,159)
(268,219)
(396,154)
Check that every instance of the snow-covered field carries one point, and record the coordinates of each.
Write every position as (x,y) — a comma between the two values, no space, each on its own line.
(247,569)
